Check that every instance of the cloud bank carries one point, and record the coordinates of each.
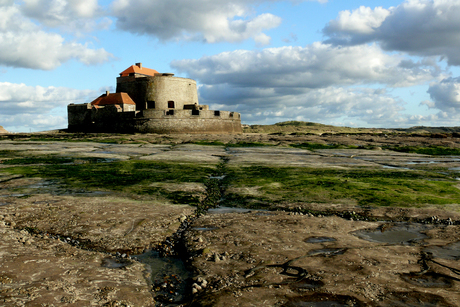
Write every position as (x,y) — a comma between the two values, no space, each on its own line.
(200,20)
(319,82)
(417,27)
(23,107)
(24,44)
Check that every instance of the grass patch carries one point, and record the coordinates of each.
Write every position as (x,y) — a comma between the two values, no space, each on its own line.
(364,187)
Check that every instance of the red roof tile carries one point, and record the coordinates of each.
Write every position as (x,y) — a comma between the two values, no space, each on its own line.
(114,98)
(138,69)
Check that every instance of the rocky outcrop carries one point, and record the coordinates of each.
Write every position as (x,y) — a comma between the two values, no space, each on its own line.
(2,130)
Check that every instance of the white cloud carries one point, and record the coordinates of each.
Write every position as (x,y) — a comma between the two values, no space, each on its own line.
(72,15)
(33,106)
(200,20)
(24,44)
(418,27)
(312,83)
(326,105)
(314,66)
(445,95)
(363,20)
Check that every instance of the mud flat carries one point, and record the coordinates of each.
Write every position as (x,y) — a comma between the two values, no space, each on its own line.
(296,224)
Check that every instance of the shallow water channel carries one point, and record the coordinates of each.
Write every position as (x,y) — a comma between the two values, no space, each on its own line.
(169,276)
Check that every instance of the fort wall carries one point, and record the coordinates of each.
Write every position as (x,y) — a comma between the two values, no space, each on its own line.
(155,92)
(183,121)
(110,119)
(163,104)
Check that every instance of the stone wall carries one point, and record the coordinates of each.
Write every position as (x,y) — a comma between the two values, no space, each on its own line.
(180,90)
(159,89)
(139,89)
(79,116)
(188,125)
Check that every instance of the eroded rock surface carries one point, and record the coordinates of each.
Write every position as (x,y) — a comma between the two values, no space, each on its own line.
(38,270)
(250,258)
(58,244)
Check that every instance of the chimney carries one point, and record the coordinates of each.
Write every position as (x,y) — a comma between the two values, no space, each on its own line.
(107,93)
(139,65)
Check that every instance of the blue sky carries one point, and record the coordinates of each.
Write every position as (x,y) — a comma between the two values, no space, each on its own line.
(349,63)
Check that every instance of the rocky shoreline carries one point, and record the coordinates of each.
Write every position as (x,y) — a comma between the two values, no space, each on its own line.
(68,246)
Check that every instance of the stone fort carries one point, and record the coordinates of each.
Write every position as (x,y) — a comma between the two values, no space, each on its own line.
(147,101)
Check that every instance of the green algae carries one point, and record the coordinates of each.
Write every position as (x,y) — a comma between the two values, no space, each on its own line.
(274,186)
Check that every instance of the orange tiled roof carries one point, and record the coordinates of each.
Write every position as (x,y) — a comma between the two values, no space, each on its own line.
(113,98)
(138,69)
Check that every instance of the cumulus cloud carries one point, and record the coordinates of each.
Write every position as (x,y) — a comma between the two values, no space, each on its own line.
(72,15)
(33,106)
(24,44)
(445,95)
(418,27)
(319,82)
(200,20)
(314,66)
(336,105)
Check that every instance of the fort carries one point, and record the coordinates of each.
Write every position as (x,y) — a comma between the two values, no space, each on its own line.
(147,101)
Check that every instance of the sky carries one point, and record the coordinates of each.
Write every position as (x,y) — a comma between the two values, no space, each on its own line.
(355,63)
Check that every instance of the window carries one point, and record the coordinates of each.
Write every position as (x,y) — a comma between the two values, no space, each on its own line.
(231,114)
(216,113)
(170,112)
(195,112)
(171,104)
(150,104)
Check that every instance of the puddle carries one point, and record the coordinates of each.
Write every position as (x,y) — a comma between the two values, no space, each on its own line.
(15,195)
(327,252)
(306,284)
(450,252)
(428,280)
(404,234)
(413,299)
(394,167)
(85,193)
(319,240)
(324,300)
(170,278)
(115,263)
(204,228)
(222,210)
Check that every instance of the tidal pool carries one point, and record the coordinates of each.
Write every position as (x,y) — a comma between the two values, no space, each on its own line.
(399,233)
(169,276)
